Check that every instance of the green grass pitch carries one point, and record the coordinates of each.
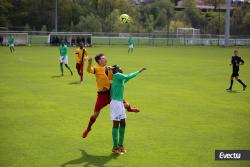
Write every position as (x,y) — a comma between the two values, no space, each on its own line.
(185,111)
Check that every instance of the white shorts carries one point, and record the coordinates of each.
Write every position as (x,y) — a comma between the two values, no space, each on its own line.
(117,110)
(131,46)
(64,59)
(11,45)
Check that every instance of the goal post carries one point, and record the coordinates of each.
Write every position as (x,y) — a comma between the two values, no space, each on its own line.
(188,35)
(71,39)
(20,38)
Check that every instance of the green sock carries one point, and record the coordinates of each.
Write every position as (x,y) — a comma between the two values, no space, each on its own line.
(121,135)
(69,69)
(61,68)
(115,137)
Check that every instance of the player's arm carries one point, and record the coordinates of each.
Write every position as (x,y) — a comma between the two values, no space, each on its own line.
(90,68)
(86,54)
(241,61)
(231,61)
(129,76)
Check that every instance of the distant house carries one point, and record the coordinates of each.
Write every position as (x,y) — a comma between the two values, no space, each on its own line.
(200,4)
(138,2)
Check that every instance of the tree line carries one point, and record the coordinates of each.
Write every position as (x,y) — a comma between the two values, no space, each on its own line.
(103,16)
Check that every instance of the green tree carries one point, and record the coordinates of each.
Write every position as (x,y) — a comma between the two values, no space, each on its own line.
(216,23)
(193,15)
(246,23)
(5,7)
(44,28)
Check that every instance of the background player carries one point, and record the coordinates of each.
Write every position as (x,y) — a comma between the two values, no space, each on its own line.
(236,61)
(81,56)
(11,43)
(130,45)
(64,57)
(117,110)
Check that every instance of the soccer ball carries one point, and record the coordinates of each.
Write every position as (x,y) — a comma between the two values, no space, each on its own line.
(124,18)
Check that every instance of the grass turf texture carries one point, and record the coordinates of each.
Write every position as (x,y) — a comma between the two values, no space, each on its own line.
(185,111)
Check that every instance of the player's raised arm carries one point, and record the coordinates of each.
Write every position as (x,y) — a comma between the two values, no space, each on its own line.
(90,68)
(127,77)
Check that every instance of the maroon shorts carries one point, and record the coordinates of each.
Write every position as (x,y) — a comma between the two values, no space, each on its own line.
(79,66)
(103,99)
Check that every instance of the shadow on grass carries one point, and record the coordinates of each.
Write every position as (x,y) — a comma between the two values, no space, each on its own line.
(90,160)
(74,83)
(56,76)
(233,91)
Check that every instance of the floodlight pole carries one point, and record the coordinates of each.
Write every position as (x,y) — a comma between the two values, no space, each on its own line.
(227,28)
(56,16)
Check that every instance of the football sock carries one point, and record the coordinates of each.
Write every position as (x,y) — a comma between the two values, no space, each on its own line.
(69,69)
(115,137)
(121,135)
(231,84)
(61,68)
(240,81)
(91,122)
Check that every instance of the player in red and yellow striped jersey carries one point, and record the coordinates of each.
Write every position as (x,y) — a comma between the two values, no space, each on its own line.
(103,75)
(81,56)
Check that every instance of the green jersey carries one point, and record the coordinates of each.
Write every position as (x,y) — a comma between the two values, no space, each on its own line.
(63,50)
(11,40)
(130,41)
(118,82)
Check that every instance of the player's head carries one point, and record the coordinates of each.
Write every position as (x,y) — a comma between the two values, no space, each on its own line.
(116,69)
(101,59)
(62,42)
(81,45)
(236,52)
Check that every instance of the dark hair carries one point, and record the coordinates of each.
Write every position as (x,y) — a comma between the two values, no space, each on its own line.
(98,57)
(115,69)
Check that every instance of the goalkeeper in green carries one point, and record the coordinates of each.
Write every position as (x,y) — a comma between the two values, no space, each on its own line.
(117,110)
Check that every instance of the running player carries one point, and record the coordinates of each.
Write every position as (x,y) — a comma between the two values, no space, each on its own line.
(64,57)
(11,43)
(236,61)
(81,56)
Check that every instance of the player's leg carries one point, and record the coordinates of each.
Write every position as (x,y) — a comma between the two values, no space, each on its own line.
(66,65)
(231,82)
(66,62)
(240,81)
(115,131)
(103,99)
(81,72)
(10,48)
(78,69)
(61,68)
(122,135)
(129,108)
(13,48)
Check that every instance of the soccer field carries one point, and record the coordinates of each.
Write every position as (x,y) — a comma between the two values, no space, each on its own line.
(186,114)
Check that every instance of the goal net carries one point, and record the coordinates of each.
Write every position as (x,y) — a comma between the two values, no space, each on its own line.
(190,35)
(72,39)
(20,38)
